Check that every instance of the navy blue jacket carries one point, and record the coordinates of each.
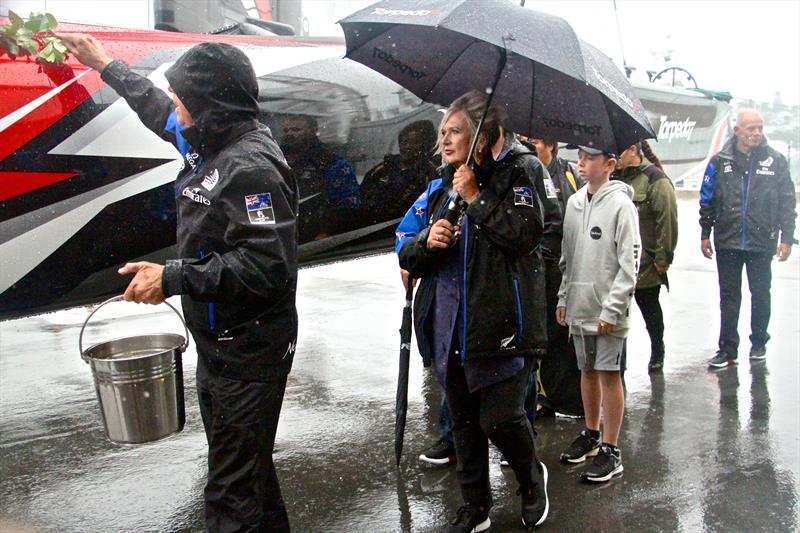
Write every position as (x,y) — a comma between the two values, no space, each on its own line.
(749,204)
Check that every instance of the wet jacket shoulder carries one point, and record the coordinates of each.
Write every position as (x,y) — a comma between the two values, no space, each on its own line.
(547,195)
(748,202)
(566,180)
(656,202)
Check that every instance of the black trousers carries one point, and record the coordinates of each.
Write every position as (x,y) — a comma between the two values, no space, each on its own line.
(759,279)
(647,300)
(560,376)
(495,412)
(242,493)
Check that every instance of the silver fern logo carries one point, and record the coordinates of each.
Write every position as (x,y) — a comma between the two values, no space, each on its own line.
(210,181)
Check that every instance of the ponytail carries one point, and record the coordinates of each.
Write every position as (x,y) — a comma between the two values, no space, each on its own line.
(647,152)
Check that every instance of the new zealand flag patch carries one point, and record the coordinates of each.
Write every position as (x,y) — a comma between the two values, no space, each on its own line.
(259,208)
(523,196)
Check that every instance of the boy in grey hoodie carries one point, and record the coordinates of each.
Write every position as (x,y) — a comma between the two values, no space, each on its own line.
(599,258)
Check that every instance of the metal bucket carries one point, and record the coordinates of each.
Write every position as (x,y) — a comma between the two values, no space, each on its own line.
(139,383)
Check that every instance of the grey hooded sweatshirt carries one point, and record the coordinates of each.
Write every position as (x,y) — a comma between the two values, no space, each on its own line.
(599,259)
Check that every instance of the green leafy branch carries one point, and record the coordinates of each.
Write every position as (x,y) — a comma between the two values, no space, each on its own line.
(32,37)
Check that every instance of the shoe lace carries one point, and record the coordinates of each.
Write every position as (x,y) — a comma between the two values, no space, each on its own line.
(584,439)
(603,457)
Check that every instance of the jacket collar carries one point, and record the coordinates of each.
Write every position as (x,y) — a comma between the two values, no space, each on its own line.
(729,149)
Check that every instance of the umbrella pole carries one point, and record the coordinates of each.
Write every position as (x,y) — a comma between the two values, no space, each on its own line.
(501,64)
(456,205)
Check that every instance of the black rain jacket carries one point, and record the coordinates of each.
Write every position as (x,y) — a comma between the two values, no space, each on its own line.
(749,202)
(237,207)
(504,313)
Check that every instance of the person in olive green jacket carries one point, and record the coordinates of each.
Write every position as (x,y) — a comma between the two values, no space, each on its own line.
(654,197)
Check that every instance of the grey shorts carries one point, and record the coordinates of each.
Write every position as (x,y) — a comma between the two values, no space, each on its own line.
(598,352)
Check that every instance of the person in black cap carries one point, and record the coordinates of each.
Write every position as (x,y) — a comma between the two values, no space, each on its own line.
(599,260)
(237,268)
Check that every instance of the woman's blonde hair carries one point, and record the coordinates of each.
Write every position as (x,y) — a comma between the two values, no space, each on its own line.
(472,105)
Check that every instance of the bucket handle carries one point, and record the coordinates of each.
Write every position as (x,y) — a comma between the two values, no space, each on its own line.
(119,298)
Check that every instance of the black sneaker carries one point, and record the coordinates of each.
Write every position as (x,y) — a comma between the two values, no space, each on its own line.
(535,503)
(470,520)
(758,353)
(655,365)
(582,447)
(441,453)
(721,360)
(605,465)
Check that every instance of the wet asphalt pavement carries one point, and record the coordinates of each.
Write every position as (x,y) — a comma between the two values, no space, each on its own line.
(703,450)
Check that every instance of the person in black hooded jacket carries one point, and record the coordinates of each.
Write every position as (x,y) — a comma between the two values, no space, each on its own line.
(237,266)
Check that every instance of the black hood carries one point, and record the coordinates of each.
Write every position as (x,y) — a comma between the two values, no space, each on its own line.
(217,84)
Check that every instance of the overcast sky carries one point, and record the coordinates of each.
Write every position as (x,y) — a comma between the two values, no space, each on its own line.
(750,48)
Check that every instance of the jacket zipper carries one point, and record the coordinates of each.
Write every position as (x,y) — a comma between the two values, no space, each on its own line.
(746,200)
(212,323)
(464,294)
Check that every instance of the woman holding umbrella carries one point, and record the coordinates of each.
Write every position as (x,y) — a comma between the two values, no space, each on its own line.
(479,310)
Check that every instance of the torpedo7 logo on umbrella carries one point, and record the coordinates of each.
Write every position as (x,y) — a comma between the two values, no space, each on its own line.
(396,63)
(259,208)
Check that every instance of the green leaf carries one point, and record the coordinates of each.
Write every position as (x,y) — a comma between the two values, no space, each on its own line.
(16,20)
(29,45)
(32,25)
(59,46)
(52,22)
(12,49)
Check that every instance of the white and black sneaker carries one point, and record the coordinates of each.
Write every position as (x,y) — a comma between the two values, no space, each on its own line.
(758,353)
(582,447)
(607,464)
(535,502)
(441,453)
(470,519)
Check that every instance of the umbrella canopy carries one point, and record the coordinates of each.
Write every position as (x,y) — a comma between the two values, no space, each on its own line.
(553,85)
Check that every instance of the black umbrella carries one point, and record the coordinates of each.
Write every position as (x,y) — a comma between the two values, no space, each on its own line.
(401,405)
(550,83)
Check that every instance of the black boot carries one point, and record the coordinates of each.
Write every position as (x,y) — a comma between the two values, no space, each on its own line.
(656,363)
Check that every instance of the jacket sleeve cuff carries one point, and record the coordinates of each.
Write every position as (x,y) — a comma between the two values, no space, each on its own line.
(788,238)
(562,302)
(608,317)
(705,233)
(114,72)
(172,279)
(483,204)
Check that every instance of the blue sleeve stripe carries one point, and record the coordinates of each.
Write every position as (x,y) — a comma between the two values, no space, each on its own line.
(416,218)
(172,126)
(709,185)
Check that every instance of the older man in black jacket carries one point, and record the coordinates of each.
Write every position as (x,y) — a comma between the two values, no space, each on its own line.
(237,266)
(748,199)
